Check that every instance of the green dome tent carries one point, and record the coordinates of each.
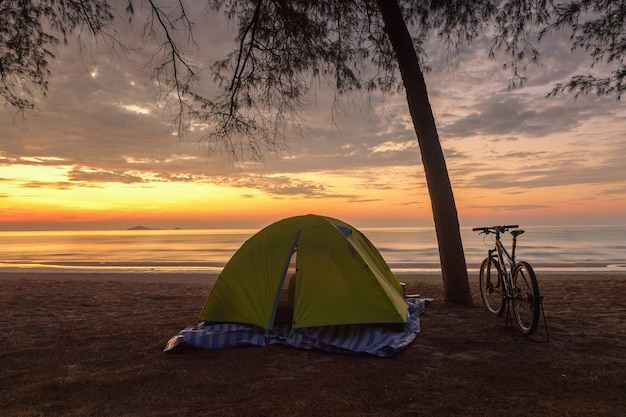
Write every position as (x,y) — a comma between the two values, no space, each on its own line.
(339,278)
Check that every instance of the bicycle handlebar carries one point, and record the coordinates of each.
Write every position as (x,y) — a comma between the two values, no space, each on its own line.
(494,229)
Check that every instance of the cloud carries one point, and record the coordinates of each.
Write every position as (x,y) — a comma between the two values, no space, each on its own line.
(518,115)
(558,173)
(282,186)
(102,123)
(516,207)
(100,176)
(57,185)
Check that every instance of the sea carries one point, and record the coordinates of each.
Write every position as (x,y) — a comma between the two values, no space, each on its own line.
(406,249)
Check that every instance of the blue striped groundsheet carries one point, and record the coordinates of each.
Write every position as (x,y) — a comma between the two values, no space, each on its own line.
(383,341)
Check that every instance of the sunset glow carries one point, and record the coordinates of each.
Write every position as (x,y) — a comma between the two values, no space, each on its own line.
(100,154)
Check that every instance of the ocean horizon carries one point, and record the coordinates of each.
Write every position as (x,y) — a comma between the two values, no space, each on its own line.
(406,249)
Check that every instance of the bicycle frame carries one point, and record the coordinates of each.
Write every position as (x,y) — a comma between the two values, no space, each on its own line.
(504,259)
(516,283)
(502,255)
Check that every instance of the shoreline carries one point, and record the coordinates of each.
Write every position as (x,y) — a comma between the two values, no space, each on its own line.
(398,268)
(209,277)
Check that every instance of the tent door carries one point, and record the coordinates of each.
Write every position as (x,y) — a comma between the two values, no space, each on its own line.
(284,312)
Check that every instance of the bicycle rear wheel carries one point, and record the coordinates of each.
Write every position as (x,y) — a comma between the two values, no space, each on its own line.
(526,299)
(492,286)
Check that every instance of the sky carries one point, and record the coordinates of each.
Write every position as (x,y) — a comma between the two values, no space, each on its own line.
(99,153)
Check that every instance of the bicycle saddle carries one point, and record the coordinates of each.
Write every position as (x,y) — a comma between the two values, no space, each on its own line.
(516,233)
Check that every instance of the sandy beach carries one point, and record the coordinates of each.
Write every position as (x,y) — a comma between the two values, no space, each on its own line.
(91,344)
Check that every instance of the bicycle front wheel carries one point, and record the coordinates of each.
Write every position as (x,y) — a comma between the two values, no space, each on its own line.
(526,299)
(492,286)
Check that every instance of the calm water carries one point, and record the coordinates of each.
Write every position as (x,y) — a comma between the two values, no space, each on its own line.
(405,249)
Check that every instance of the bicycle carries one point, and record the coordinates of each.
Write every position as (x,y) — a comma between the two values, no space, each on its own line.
(516,281)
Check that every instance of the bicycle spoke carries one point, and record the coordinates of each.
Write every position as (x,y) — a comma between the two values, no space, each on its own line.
(491,286)
(526,299)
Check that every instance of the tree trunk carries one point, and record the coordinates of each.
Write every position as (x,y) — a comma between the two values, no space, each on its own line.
(453,267)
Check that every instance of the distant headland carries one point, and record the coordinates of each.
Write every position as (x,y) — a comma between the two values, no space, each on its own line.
(141,228)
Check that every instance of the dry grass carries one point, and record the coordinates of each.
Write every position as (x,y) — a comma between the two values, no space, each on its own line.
(79,348)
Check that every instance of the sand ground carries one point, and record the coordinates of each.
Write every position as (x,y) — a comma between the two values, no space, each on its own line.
(90,344)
